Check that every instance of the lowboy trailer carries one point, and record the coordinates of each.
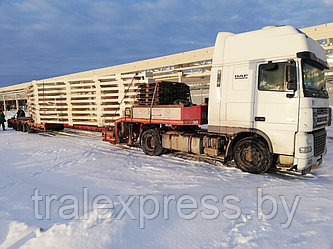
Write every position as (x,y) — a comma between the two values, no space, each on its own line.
(267,106)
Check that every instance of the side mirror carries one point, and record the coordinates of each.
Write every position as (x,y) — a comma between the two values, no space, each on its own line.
(291,77)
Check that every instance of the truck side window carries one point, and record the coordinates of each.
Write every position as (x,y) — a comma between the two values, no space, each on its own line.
(272,77)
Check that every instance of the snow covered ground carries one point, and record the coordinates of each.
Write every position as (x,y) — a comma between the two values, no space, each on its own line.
(209,206)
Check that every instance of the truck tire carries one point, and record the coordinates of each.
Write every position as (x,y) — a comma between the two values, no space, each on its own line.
(151,142)
(252,155)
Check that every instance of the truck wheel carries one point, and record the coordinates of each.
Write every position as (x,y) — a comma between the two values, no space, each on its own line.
(151,142)
(252,155)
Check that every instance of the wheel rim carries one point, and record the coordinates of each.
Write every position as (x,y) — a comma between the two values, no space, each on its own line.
(251,155)
(150,142)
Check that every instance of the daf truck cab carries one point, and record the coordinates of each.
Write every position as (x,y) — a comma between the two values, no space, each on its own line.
(269,85)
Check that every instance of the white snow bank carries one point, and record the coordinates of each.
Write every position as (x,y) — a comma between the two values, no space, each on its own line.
(81,233)
(17,234)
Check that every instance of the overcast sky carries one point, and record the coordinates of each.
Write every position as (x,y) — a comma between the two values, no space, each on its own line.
(45,38)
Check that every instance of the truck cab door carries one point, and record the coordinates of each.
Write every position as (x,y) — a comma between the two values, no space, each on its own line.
(277,103)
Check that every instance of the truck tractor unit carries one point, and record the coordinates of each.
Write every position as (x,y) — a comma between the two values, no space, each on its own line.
(267,106)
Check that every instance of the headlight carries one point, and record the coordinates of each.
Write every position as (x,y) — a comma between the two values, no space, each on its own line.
(305,149)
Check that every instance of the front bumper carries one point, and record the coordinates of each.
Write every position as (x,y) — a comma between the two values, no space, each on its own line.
(304,161)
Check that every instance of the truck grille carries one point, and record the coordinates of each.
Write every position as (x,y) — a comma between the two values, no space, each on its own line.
(320,117)
(319,142)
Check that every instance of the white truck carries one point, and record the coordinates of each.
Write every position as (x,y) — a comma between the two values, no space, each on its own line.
(267,106)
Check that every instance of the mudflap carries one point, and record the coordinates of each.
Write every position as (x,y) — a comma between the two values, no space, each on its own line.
(109,135)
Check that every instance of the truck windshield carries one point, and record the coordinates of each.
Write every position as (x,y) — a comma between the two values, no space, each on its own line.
(314,82)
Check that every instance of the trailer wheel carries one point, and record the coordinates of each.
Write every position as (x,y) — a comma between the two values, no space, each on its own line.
(30,130)
(9,124)
(19,127)
(151,142)
(25,127)
(252,155)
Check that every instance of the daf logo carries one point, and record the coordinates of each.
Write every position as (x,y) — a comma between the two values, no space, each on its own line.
(241,76)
